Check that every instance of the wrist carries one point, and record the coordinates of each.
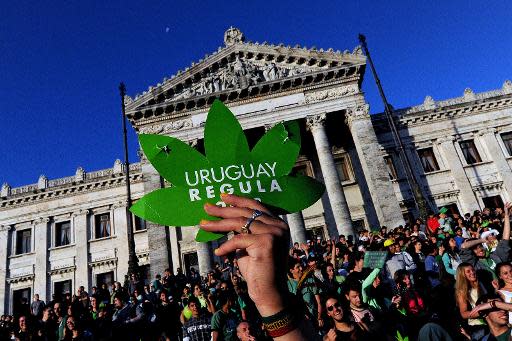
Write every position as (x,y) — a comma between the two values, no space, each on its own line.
(271,305)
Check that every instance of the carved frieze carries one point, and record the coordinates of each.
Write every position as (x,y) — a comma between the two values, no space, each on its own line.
(167,127)
(330,93)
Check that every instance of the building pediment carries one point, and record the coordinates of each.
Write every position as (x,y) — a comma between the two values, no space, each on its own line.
(242,70)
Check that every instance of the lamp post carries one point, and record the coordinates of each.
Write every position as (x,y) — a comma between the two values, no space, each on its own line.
(419,199)
(133,262)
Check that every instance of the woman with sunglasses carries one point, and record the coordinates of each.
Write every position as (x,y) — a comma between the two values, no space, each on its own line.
(342,329)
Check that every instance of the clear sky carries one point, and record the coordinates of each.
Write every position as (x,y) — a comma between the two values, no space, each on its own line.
(61,61)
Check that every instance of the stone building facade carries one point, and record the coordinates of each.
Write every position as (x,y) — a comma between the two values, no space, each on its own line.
(59,234)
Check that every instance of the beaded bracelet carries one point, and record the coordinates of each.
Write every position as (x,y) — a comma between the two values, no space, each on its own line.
(279,324)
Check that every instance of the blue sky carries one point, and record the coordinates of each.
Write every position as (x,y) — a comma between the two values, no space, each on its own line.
(61,61)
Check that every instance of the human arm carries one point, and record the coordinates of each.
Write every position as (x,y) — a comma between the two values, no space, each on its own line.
(262,253)
(367,282)
(468,244)
(491,305)
(506,221)
(463,308)
(319,309)
(447,264)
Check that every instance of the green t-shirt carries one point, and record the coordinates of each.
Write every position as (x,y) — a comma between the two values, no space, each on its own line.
(308,291)
(505,336)
(225,324)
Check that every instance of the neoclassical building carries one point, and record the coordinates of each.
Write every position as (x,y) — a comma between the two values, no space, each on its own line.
(56,235)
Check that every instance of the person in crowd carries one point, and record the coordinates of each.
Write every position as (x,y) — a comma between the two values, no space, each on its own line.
(62,317)
(494,311)
(224,321)
(451,258)
(432,269)
(467,292)
(341,328)
(303,285)
(245,332)
(504,283)
(36,307)
(198,327)
(75,331)
(167,314)
(23,333)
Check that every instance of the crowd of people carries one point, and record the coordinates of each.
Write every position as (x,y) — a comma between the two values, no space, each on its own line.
(446,278)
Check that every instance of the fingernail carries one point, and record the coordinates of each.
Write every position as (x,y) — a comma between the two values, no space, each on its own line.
(224,195)
(216,251)
(204,222)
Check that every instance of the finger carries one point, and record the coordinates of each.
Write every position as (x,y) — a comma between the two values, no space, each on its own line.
(235,200)
(235,225)
(234,212)
(244,241)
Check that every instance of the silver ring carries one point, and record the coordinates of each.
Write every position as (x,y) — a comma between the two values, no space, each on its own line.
(245,229)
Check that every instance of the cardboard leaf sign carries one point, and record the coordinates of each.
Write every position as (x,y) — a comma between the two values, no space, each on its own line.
(228,167)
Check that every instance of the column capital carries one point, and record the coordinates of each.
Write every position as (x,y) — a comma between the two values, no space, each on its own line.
(119,204)
(487,131)
(360,112)
(5,228)
(315,121)
(41,220)
(81,212)
(445,139)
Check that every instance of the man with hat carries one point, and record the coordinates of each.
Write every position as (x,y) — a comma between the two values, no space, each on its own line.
(397,260)
(445,222)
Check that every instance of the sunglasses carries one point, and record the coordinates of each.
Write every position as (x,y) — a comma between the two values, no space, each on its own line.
(335,305)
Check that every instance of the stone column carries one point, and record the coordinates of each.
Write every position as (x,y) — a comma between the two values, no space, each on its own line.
(80,228)
(175,247)
(41,232)
(120,226)
(204,258)
(158,236)
(468,200)
(374,168)
(297,227)
(332,182)
(5,246)
(495,151)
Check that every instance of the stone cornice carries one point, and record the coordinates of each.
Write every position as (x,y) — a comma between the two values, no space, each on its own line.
(62,270)
(466,105)
(29,197)
(81,212)
(22,278)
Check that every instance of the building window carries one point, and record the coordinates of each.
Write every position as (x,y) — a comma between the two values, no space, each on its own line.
(343,168)
(507,141)
(470,152)
(139,224)
(391,167)
(428,160)
(21,299)
(493,202)
(102,225)
(358,225)
(23,241)
(105,278)
(61,288)
(62,233)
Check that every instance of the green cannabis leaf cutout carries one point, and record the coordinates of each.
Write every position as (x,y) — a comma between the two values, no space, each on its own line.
(228,167)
